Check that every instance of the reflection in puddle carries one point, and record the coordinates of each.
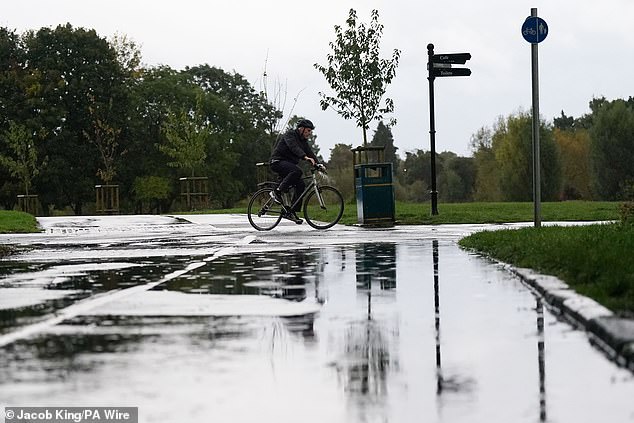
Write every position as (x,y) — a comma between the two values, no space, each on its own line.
(377,350)
(453,383)
(33,291)
(285,275)
(541,359)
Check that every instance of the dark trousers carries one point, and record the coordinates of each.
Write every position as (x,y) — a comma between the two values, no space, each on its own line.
(291,176)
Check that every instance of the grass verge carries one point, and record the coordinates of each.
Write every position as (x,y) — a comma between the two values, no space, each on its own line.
(456,213)
(595,260)
(17,222)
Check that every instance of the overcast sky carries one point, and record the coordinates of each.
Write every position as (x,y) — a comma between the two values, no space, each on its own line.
(588,53)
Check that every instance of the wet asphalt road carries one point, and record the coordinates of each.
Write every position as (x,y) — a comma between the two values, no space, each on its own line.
(201,318)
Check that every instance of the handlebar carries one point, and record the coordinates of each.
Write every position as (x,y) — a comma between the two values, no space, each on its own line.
(319,168)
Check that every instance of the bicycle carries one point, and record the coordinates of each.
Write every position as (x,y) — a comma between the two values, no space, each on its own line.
(323,204)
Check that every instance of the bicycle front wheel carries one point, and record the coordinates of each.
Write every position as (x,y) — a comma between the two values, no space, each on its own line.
(325,213)
(264,214)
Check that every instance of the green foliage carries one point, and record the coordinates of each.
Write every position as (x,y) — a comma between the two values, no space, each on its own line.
(457,181)
(383,138)
(340,171)
(71,70)
(589,258)
(613,146)
(22,163)
(149,188)
(576,166)
(626,213)
(417,167)
(105,137)
(487,187)
(357,74)
(504,161)
(244,120)
(186,137)
(626,209)
(150,192)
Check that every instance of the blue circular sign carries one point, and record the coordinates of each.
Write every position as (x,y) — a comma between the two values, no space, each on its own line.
(534,30)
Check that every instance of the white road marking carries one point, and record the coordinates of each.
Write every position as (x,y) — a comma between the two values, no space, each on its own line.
(83,306)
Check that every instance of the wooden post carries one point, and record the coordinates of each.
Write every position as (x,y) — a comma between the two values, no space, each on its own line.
(107,199)
(195,192)
(28,204)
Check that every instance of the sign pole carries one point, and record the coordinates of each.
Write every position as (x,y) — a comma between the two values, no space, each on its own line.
(536,154)
(432,132)
(440,65)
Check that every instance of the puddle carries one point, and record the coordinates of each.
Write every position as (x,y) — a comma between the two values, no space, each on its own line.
(371,332)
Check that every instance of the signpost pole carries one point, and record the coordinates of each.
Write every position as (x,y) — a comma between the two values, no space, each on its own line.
(536,158)
(440,65)
(432,131)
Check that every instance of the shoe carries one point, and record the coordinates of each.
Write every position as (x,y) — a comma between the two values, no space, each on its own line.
(275,195)
(293,218)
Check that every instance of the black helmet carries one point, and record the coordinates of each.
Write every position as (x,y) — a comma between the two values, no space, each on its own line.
(305,123)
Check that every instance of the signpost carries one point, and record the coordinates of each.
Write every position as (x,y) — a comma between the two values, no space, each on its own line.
(535,30)
(440,65)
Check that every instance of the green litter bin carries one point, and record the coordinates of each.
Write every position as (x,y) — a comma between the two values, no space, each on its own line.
(375,193)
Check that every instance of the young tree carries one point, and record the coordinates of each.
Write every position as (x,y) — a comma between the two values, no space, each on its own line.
(186,139)
(105,137)
(23,163)
(357,74)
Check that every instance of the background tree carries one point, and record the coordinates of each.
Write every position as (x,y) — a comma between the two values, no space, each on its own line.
(71,65)
(155,94)
(512,146)
(456,181)
(612,136)
(12,104)
(357,74)
(245,121)
(383,138)
(340,169)
(415,176)
(486,180)
(576,165)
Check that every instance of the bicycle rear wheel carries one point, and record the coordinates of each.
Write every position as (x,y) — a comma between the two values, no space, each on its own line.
(323,216)
(264,214)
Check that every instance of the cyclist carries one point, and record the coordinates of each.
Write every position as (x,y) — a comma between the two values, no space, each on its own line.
(289,149)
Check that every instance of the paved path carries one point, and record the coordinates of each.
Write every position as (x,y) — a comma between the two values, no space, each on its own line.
(201,318)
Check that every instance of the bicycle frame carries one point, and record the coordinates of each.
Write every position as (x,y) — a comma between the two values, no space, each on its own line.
(313,184)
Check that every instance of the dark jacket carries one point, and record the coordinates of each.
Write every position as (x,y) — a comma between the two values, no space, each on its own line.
(291,147)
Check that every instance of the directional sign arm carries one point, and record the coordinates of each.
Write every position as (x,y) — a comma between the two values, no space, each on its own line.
(455,58)
(436,72)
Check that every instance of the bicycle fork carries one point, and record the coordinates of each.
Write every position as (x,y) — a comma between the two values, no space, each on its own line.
(320,198)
